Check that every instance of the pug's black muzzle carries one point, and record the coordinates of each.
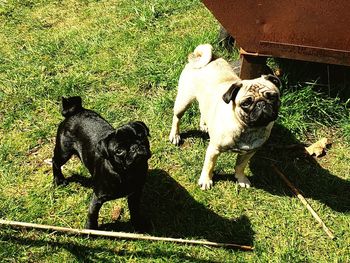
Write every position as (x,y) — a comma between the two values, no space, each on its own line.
(262,114)
(138,152)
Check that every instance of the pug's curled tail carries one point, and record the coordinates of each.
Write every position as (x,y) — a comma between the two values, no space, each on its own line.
(71,106)
(201,56)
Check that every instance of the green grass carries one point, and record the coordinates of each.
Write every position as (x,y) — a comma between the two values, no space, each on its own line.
(124,58)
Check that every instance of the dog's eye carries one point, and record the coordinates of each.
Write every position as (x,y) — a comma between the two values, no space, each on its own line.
(271,96)
(247,102)
(119,152)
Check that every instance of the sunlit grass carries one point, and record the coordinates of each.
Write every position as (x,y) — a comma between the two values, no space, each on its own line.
(124,59)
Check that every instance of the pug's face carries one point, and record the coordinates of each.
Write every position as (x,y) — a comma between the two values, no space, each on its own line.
(256,101)
(126,146)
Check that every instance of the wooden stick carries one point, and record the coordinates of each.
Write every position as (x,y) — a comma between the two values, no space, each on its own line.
(121,235)
(303,200)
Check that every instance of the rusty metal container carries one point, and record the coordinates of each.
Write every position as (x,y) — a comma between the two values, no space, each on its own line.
(309,30)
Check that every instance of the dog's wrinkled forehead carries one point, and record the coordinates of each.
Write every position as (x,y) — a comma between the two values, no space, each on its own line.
(257,87)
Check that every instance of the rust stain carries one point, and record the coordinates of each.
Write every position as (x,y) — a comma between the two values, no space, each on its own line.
(311,30)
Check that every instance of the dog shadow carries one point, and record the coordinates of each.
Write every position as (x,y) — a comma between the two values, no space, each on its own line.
(310,178)
(303,170)
(173,212)
(193,134)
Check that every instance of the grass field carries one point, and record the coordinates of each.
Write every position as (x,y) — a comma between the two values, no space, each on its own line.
(124,59)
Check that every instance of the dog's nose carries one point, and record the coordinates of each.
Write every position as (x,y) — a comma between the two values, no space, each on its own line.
(260,105)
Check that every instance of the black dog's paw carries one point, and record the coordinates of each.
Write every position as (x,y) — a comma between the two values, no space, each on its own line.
(91,225)
(60,182)
(142,225)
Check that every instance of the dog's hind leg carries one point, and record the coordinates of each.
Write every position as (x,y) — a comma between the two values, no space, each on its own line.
(94,209)
(59,158)
(183,100)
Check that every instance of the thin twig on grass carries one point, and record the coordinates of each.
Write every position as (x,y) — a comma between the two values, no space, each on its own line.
(303,200)
(122,235)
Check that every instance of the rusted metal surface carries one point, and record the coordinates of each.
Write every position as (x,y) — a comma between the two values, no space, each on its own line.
(311,30)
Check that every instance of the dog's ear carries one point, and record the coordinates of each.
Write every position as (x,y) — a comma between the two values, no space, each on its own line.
(140,128)
(272,78)
(231,93)
(102,147)
(106,147)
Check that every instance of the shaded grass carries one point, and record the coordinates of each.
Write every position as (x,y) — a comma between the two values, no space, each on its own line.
(306,110)
(314,97)
(124,58)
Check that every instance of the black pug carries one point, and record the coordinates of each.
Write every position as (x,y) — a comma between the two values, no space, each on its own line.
(116,158)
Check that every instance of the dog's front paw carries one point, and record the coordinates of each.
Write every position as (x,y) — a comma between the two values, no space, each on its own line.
(174,138)
(205,183)
(60,181)
(243,181)
(91,225)
(141,225)
(203,127)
